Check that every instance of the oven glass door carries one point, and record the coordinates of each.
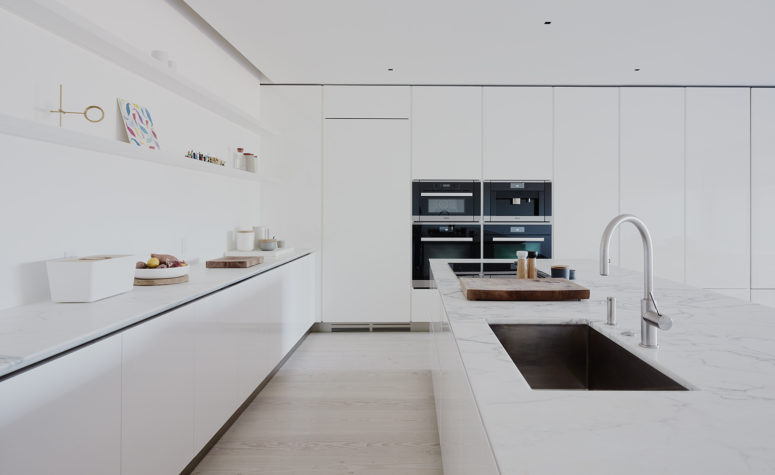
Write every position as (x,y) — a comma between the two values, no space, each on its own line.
(435,206)
(503,241)
(442,241)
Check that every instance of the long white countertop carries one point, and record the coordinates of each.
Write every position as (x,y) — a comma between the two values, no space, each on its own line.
(32,333)
(722,348)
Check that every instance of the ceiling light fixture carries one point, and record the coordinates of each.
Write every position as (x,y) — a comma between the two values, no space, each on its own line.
(390,69)
(547,23)
(637,69)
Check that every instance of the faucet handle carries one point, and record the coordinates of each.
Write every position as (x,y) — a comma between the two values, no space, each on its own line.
(663,322)
(653,301)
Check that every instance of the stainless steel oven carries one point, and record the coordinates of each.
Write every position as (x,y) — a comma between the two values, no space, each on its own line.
(446,201)
(442,241)
(502,241)
(511,201)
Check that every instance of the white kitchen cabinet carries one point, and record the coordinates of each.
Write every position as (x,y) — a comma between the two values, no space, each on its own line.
(517,133)
(651,154)
(446,133)
(158,394)
(586,186)
(762,187)
(64,416)
(366,221)
(763,297)
(718,188)
(366,102)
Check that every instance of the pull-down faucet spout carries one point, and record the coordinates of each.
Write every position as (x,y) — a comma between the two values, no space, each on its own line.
(651,318)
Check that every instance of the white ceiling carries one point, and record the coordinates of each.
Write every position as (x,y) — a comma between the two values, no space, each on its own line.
(673,42)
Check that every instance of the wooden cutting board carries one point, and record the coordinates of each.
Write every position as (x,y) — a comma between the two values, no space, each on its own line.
(522,289)
(172,280)
(234,262)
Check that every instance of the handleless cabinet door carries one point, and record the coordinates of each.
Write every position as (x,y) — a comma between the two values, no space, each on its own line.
(517,133)
(762,188)
(446,133)
(64,416)
(158,394)
(366,102)
(366,225)
(718,187)
(586,187)
(652,176)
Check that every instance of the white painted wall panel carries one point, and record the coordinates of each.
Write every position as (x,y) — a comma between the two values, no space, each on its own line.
(517,133)
(718,188)
(652,176)
(762,188)
(586,189)
(446,133)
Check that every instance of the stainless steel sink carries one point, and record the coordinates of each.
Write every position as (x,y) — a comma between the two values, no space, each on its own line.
(577,357)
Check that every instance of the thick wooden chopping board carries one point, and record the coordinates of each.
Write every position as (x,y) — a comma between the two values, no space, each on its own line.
(234,262)
(171,280)
(522,289)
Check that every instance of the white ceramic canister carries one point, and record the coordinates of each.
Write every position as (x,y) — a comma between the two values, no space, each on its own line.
(245,239)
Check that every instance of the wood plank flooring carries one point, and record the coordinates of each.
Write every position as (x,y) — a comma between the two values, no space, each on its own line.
(344,403)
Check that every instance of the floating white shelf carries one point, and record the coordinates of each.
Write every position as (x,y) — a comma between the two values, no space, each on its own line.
(10,125)
(59,20)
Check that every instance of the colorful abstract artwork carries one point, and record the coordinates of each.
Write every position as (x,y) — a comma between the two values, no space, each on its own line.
(139,125)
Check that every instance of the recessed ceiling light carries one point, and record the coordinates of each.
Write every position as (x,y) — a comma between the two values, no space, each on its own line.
(390,69)
(547,23)
(637,69)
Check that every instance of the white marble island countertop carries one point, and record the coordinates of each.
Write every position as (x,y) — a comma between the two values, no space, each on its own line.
(722,348)
(32,333)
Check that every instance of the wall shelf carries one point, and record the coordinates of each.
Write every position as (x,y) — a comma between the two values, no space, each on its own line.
(59,20)
(10,125)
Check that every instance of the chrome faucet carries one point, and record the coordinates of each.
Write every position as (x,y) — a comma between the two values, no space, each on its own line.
(651,319)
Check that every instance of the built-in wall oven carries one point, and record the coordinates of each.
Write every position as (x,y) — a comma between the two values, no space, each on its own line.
(502,241)
(446,201)
(442,241)
(510,201)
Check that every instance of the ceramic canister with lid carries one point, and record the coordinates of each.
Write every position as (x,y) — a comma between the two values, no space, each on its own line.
(245,239)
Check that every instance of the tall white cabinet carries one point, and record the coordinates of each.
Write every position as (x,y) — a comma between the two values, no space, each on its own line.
(517,133)
(586,186)
(718,189)
(651,160)
(446,133)
(366,220)
(763,194)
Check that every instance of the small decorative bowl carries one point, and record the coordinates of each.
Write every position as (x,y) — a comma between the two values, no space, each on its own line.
(267,244)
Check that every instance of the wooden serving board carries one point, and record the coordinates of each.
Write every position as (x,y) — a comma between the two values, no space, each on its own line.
(234,262)
(173,280)
(522,289)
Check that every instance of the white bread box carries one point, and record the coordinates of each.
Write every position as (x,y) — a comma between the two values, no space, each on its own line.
(86,279)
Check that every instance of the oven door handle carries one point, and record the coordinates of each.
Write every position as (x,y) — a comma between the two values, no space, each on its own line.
(462,239)
(446,194)
(516,239)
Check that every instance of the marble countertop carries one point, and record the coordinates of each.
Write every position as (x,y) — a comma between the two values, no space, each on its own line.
(32,333)
(722,348)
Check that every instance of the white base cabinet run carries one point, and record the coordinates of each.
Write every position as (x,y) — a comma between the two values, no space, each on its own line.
(64,416)
(148,399)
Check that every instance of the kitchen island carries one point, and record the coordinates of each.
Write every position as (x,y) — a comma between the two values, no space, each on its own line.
(722,349)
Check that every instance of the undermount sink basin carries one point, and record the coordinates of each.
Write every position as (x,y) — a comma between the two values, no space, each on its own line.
(577,357)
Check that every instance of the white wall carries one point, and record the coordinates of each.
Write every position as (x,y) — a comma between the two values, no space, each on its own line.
(292,208)
(59,200)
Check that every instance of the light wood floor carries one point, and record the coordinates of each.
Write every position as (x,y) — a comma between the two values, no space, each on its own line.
(344,403)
